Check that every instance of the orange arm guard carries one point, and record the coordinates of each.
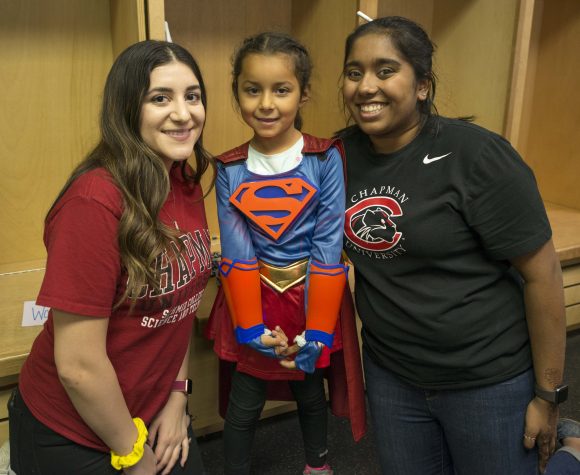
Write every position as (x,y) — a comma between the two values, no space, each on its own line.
(241,283)
(325,287)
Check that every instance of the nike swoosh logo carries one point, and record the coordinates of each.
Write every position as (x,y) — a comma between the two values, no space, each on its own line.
(428,160)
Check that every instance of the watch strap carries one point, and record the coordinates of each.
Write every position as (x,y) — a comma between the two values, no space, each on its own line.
(183,385)
(557,396)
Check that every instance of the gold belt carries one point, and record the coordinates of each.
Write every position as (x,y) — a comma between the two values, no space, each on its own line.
(282,278)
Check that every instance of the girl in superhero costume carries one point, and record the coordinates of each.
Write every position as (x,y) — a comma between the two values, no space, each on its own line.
(281,213)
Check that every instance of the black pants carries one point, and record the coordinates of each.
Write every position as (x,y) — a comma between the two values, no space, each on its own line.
(37,450)
(247,399)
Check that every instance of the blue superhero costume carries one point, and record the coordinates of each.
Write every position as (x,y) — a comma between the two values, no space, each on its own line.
(281,242)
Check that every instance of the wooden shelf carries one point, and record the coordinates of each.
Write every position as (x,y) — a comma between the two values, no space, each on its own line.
(566,228)
(18,283)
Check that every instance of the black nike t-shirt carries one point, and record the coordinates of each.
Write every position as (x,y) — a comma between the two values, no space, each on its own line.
(430,230)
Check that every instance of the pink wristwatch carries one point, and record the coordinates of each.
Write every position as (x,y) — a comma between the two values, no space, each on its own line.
(183,385)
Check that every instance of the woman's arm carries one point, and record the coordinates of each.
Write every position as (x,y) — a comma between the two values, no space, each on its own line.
(91,383)
(169,427)
(546,318)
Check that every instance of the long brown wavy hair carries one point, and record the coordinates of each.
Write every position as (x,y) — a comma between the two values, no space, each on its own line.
(136,169)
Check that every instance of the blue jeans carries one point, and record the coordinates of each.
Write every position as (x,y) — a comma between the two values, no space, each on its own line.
(463,432)
(563,463)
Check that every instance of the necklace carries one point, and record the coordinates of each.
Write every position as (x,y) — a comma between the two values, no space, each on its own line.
(171,201)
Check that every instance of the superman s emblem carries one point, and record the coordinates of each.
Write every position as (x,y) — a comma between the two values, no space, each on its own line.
(273,205)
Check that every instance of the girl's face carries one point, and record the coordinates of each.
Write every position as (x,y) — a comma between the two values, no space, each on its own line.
(172,115)
(269,97)
(381,92)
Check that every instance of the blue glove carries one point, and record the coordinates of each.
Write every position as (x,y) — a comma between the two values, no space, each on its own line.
(257,345)
(308,356)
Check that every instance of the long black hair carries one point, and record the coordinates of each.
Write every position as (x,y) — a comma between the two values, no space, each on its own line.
(414,45)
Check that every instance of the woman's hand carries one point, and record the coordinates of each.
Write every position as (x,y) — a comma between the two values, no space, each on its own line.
(546,318)
(145,466)
(168,433)
(540,429)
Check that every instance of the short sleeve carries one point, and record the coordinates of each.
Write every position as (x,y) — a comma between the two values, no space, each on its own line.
(83,265)
(504,205)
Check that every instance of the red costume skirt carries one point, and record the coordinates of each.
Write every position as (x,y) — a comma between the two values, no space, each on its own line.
(341,363)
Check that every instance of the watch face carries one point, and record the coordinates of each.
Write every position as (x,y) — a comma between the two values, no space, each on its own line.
(561,394)
(557,396)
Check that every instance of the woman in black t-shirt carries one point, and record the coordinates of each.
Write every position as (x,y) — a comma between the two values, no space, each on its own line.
(458,284)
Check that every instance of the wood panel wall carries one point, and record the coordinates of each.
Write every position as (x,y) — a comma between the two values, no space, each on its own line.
(551,142)
(53,62)
(420,11)
(324,114)
(473,60)
(475,41)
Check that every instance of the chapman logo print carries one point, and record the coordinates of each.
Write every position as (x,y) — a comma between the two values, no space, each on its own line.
(180,287)
(369,224)
(273,205)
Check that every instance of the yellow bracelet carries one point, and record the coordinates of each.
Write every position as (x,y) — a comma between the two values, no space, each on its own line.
(120,462)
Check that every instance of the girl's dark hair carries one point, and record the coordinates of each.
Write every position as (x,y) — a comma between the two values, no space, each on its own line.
(269,43)
(413,43)
(137,170)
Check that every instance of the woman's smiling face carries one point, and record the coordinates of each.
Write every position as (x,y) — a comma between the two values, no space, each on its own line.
(381,92)
(172,114)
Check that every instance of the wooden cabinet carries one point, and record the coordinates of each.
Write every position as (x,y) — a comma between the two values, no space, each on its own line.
(566,225)
(543,121)
(543,118)
(571,276)
(53,63)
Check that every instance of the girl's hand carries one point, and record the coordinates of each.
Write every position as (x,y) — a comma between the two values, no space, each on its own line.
(286,352)
(168,433)
(145,466)
(306,358)
(277,339)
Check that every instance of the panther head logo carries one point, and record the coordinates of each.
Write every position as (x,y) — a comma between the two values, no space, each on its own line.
(374,225)
(369,223)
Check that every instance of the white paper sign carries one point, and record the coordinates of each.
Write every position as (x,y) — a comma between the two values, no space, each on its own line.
(33,314)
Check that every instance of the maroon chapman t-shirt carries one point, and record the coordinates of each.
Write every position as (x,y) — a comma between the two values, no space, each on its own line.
(84,276)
